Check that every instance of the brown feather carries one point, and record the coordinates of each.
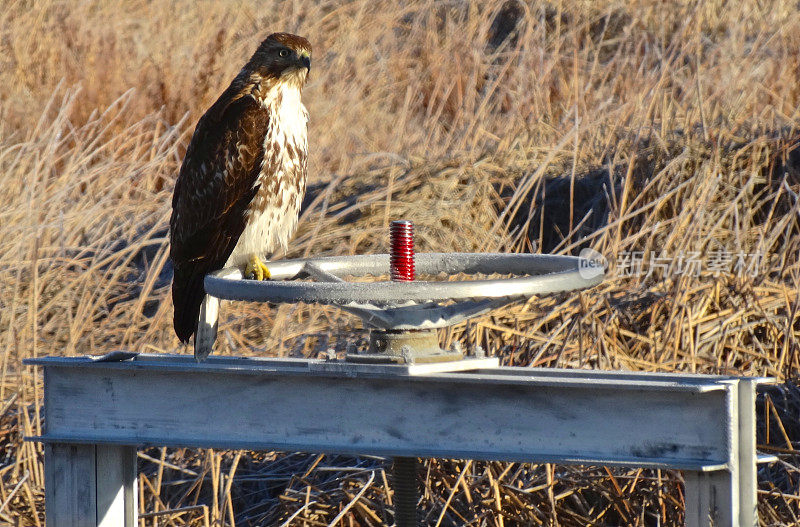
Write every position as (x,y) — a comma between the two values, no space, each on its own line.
(215,186)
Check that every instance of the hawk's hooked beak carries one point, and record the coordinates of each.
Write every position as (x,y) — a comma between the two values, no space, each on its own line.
(305,61)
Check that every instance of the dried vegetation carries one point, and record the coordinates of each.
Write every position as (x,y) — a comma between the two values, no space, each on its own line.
(665,128)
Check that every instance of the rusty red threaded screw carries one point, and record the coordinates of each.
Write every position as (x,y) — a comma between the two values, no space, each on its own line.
(401,255)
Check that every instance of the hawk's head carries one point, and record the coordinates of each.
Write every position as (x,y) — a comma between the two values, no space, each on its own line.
(283,58)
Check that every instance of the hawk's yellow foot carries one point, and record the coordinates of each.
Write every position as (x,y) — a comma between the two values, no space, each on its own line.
(256,270)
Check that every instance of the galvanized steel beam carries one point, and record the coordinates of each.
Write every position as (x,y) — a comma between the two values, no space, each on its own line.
(698,423)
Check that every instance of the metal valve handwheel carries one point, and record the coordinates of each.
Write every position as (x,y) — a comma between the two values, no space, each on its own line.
(405,314)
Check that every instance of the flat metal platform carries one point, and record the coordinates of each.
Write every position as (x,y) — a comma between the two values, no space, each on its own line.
(515,414)
(697,423)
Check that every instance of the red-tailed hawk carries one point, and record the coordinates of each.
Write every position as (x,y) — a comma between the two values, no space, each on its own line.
(241,183)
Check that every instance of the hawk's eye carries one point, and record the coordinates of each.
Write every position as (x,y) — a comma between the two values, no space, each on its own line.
(284,53)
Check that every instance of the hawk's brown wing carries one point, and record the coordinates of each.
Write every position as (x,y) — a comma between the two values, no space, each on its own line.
(215,186)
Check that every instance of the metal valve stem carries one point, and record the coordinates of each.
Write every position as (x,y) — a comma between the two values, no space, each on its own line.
(404,469)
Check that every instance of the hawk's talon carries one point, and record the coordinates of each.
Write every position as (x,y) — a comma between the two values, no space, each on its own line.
(256,270)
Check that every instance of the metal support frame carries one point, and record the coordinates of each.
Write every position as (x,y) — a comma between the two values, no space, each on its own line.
(97,412)
(90,485)
(728,497)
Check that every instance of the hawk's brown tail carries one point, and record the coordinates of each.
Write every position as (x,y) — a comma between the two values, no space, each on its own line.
(187,297)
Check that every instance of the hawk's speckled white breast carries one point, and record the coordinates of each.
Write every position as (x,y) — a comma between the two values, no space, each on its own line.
(273,223)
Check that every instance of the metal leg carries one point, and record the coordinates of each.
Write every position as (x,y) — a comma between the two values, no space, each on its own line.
(748,457)
(708,497)
(90,485)
(70,481)
(117,499)
(725,498)
(206,334)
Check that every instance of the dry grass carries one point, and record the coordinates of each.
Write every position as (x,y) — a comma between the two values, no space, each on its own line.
(662,127)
